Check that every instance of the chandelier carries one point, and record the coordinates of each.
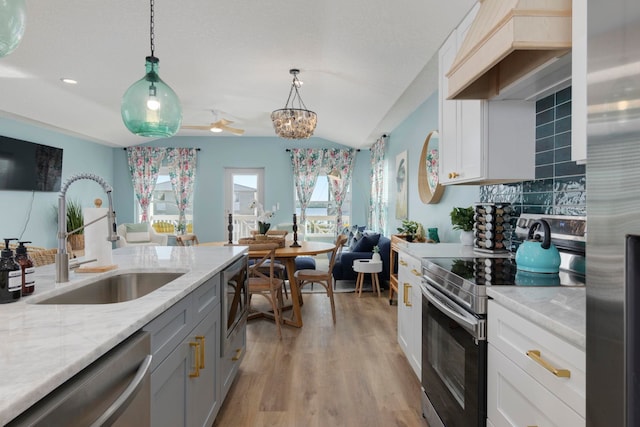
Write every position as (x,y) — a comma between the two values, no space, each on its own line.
(294,121)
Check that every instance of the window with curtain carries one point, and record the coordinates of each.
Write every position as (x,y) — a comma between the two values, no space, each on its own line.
(321,210)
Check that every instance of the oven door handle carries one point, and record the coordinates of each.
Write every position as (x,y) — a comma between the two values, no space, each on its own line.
(436,298)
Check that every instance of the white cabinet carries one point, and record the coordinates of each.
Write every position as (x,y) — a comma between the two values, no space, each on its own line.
(522,387)
(410,310)
(579,81)
(482,141)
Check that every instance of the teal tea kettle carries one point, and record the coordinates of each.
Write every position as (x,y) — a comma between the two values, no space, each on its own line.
(536,256)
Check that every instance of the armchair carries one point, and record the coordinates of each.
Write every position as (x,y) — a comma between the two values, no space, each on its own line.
(141,234)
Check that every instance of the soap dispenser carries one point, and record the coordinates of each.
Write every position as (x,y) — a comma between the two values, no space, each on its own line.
(10,276)
(26,267)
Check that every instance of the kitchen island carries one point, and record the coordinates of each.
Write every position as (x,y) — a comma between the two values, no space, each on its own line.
(45,345)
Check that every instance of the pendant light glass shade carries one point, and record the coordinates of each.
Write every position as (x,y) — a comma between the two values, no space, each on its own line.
(150,107)
(13,19)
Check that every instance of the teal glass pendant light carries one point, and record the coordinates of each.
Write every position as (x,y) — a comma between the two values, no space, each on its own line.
(150,107)
(13,18)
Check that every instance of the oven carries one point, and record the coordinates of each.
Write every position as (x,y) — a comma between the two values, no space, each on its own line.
(454,318)
(234,302)
(454,360)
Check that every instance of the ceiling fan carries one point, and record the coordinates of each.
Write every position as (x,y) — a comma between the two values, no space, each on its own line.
(218,126)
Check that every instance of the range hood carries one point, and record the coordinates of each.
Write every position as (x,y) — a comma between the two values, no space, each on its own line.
(507,40)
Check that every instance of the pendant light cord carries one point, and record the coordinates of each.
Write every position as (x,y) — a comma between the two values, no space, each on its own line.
(151,35)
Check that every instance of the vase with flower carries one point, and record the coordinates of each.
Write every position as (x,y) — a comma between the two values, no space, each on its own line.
(263,219)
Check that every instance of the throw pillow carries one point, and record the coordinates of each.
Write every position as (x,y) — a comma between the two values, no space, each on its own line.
(367,242)
(138,233)
(353,235)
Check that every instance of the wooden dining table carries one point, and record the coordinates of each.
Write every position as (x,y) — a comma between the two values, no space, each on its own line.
(287,255)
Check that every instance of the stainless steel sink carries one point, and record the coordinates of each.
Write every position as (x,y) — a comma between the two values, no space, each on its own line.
(119,288)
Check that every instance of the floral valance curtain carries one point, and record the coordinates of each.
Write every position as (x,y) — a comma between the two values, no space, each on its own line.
(377,200)
(144,165)
(339,167)
(182,171)
(306,164)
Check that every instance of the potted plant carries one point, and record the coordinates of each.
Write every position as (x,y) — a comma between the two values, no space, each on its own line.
(376,254)
(462,219)
(410,229)
(75,220)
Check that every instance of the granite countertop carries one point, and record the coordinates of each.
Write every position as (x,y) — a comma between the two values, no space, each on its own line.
(561,310)
(45,345)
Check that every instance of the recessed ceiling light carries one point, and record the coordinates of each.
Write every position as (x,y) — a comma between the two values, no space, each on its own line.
(69,81)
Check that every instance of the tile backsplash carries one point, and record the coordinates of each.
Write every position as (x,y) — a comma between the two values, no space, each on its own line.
(560,184)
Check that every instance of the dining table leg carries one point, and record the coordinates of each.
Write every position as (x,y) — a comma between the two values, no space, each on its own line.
(296,320)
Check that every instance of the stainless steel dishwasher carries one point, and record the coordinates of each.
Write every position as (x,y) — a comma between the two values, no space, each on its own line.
(112,391)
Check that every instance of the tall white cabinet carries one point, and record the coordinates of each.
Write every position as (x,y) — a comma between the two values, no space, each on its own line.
(482,141)
(410,310)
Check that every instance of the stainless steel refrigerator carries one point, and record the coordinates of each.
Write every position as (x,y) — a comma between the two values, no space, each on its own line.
(613,211)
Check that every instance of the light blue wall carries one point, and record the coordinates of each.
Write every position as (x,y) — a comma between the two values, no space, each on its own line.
(17,208)
(238,152)
(410,136)
(30,215)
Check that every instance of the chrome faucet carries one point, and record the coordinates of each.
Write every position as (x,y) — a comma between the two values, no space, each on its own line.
(62,257)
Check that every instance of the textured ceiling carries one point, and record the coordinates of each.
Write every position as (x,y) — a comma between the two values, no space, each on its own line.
(363,62)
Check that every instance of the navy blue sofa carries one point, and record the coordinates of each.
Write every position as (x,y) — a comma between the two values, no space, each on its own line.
(343,267)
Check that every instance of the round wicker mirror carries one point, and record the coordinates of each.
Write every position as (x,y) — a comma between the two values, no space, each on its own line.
(428,181)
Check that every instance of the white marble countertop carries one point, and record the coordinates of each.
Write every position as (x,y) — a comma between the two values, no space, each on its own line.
(42,346)
(561,310)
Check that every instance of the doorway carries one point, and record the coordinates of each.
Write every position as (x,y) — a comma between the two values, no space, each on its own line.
(241,187)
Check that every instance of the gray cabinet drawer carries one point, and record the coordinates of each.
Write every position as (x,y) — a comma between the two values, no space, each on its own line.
(169,329)
(205,298)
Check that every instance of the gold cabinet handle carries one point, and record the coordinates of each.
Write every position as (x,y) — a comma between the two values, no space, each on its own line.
(453,175)
(238,354)
(561,373)
(403,263)
(200,339)
(196,352)
(406,295)
(415,272)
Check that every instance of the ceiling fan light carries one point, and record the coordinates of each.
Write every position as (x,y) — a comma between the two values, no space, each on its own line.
(13,18)
(215,129)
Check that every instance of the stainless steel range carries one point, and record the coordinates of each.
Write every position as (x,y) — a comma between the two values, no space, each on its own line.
(454,316)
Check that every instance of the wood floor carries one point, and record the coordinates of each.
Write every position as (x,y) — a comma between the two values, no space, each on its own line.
(350,374)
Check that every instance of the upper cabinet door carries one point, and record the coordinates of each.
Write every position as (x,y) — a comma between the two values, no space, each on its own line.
(482,142)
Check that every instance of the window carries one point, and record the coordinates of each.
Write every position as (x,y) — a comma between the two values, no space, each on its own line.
(321,212)
(163,209)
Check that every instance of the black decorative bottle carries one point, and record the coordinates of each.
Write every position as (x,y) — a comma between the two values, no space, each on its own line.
(10,276)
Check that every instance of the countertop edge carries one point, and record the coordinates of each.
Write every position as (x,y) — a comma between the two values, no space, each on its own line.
(560,310)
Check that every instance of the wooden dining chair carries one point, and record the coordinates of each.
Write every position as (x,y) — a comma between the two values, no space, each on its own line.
(263,281)
(325,278)
(187,240)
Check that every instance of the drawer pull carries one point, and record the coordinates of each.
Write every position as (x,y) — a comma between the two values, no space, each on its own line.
(561,373)
(406,295)
(416,272)
(403,263)
(200,339)
(196,353)
(238,354)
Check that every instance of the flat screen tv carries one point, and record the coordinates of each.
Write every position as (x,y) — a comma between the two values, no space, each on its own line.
(28,166)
